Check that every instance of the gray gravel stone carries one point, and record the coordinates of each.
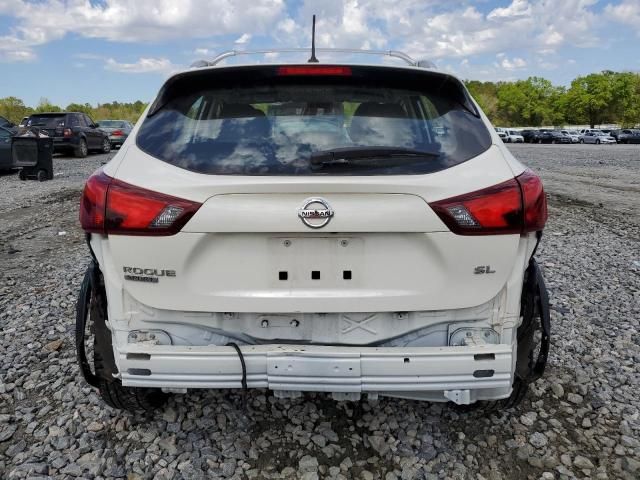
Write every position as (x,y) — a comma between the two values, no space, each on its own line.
(584,412)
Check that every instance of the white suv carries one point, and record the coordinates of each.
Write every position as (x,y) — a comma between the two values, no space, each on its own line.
(306,228)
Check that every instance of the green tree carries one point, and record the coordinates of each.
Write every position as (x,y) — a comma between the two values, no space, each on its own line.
(486,94)
(589,99)
(44,105)
(625,104)
(77,107)
(14,109)
(531,102)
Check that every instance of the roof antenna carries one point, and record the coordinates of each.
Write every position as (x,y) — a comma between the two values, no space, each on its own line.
(313,58)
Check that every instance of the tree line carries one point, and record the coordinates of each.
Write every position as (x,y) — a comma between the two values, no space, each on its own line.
(598,98)
(14,109)
(606,97)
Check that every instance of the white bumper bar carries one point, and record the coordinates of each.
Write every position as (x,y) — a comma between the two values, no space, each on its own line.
(486,370)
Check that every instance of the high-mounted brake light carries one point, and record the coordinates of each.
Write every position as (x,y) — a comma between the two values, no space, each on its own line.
(117,133)
(113,207)
(513,207)
(314,70)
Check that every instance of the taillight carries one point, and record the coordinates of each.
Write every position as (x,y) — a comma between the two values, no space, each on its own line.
(117,133)
(92,204)
(535,202)
(512,207)
(314,70)
(67,132)
(114,207)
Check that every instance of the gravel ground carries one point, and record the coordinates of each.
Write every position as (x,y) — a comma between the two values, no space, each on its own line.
(582,420)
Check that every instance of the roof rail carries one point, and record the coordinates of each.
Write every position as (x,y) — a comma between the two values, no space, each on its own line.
(388,53)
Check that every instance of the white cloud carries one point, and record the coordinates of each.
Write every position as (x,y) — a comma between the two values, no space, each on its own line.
(429,29)
(512,64)
(626,12)
(143,65)
(518,8)
(244,38)
(41,22)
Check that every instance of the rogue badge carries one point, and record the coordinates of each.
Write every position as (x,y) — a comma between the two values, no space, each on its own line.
(315,212)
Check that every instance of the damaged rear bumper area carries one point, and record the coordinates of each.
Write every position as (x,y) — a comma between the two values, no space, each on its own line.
(460,374)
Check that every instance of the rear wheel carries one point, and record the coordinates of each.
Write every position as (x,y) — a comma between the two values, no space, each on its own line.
(82,150)
(581,140)
(106,145)
(42,175)
(597,142)
(131,399)
(530,344)
(97,335)
(22,175)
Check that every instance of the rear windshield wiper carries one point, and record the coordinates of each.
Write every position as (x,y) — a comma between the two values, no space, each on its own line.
(368,156)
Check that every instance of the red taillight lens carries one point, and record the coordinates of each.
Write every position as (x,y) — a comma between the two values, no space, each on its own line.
(93,203)
(117,208)
(535,202)
(512,207)
(117,133)
(67,132)
(315,70)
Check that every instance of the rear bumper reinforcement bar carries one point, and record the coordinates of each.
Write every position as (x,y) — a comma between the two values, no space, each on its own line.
(321,368)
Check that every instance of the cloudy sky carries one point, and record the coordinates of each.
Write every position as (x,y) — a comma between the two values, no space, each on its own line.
(103,50)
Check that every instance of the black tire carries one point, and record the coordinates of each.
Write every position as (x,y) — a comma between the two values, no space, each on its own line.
(82,150)
(42,175)
(527,354)
(597,142)
(131,399)
(581,140)
(553,141)
(111,390)
(22,175)
(106,145)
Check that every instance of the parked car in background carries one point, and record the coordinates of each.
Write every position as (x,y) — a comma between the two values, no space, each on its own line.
(597,138)
(626,135)
(530,136)
(502,135)
(574,135)
(23,122)
(72,132)
(553,136)
(584,131)
(8,124)
(118,130)
(513,136)
(6,161)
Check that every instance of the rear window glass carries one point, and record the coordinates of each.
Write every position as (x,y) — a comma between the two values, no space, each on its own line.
(46,121)
(112,123)
(396,122)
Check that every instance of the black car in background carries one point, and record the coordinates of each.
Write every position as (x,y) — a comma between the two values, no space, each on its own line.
(626,135)
(8,124)
(6,162)
(72,132)
(530,136)
(553,136)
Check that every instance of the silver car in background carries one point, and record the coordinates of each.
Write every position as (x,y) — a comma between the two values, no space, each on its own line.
(118,130)
(597,137)
(574,135)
